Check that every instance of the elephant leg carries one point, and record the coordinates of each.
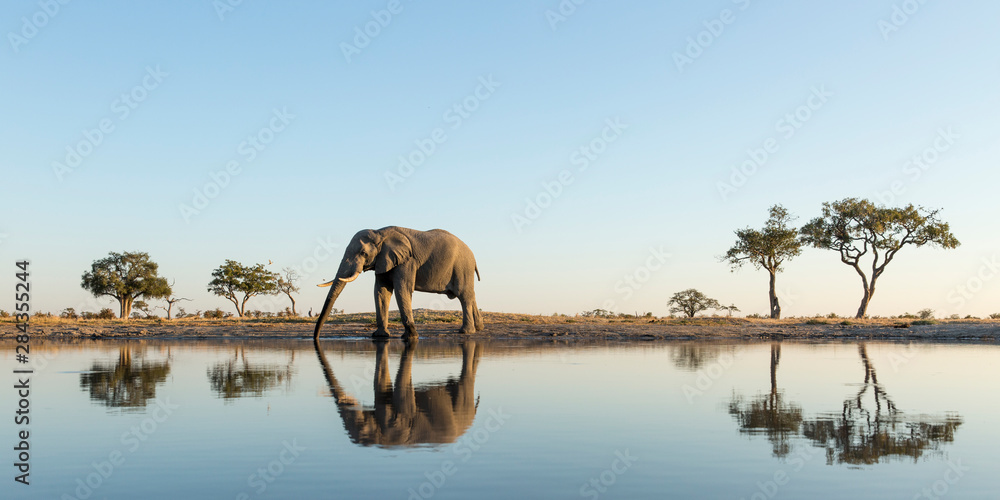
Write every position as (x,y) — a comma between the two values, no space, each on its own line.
(468,314)
(383,293)
(404,296)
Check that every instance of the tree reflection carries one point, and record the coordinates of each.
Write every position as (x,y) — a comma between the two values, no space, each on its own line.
(405,415)
(692,356)
(868,429)
(128,383)
(239,378)
(769,414)
(860,434)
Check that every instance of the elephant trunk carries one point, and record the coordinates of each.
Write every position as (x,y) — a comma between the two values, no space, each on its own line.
(337,287)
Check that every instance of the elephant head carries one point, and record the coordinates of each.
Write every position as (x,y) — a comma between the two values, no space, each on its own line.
(378,250)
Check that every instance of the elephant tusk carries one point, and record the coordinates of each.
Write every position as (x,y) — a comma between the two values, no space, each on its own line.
(324,285)
(352,278)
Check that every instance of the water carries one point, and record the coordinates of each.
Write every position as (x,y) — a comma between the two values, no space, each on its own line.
(277,419)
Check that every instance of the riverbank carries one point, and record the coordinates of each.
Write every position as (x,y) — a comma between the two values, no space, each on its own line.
(516,326)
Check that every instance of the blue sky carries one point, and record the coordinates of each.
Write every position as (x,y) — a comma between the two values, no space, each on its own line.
(844,94)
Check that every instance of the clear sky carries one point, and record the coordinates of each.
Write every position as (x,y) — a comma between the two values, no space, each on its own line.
(121,118)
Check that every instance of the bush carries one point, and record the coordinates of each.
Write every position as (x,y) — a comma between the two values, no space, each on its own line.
(845,323)
(832,316)
(214,314)
(926,313)
(954,316)
(992,316)
(755,316)
(907,315)
(5,314)
(105,313)
(816,321)
(40,314)
(920,322)
(69,313)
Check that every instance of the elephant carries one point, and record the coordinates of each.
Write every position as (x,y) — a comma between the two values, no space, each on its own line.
(405,416)
(405,260)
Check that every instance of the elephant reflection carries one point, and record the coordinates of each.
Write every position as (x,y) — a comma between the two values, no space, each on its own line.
(769,414)
(861,435)
(239,378)
(404,415)
(126,384)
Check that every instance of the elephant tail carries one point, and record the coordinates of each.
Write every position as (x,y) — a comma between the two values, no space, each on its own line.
(477,274)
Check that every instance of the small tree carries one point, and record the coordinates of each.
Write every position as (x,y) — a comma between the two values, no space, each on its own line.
(767,248)
(691,302)
(125,277)
(730,309)
(233,280)
(857,228)
(286,285)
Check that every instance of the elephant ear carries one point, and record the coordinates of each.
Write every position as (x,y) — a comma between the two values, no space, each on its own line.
(395,250)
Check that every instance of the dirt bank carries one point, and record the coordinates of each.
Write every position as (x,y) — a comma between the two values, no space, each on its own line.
(975,331)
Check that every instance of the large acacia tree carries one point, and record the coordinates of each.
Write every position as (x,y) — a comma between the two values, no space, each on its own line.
(233,280)
(861,232)
(767,248)
(125,277)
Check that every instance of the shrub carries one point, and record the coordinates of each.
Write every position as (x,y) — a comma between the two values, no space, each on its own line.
(5,314)
(816,321)
(105,313)
(69,313)
(755,316)
(40,314)
(926,313)
(907,315)
(954,316)
(832,316)
(845,323)
(213,313)
(920,322)
(992,316)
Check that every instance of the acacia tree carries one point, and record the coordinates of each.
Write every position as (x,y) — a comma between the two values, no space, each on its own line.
(286,285)
(233,279)
(767,248)
(125,277)
(859,230)
(691,302)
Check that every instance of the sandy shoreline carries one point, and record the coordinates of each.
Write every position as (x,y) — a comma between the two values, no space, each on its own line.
(964,332)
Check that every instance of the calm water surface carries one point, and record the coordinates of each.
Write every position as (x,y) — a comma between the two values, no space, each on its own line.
(281,419)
